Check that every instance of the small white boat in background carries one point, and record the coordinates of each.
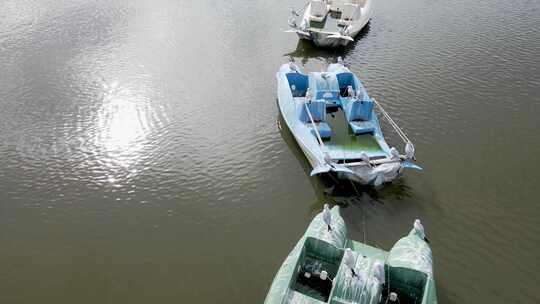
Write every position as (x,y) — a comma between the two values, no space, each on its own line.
(331,23)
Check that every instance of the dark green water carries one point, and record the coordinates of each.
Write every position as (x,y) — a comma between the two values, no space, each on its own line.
(141,159)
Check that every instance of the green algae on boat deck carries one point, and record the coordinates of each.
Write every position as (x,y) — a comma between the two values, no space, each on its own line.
(353,143)
(343,139)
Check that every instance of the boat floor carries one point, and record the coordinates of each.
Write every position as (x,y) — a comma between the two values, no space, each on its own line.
(367,250)
(298,297)
(329,24)
(343,139)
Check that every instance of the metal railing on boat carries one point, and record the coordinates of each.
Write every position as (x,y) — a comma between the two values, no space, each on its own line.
(321,143)
(375,162)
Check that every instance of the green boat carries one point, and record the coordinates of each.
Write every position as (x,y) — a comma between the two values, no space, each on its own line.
(326,267)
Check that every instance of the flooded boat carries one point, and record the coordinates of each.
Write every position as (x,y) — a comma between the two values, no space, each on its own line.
(326,267)
(331,23)
(311,103)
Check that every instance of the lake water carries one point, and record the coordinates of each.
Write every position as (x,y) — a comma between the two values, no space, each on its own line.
(142,159)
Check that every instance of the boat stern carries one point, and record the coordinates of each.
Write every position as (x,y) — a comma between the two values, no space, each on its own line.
(367,174)
(322,39)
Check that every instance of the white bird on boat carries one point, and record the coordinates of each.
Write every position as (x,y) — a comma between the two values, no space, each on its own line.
(308,94)
(349,260)
(419,230)
(293,67)
(350,91)
(378,270)
(409,151)
(327,217)
(365,158)
(394,154)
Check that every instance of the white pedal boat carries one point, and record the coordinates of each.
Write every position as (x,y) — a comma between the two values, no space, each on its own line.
(331,23)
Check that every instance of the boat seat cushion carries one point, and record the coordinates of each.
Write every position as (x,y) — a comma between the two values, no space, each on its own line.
(345,79)
(347,13)
(322,127)
(362,127)
(359,110)
(317,108)
(318,10)
(298,83)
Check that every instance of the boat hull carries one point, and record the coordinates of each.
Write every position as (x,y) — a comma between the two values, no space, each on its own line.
(322,40)
(287,112)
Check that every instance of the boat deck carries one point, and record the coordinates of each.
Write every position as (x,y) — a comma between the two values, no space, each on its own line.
(343,140)
(329,24)
(297,297)
(367,250)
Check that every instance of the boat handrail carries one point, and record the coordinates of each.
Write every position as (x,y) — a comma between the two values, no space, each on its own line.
(377,161)
(314,125)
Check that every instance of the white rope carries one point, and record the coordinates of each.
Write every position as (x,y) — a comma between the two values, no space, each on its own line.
(395,126)
(392,122)
(400,132)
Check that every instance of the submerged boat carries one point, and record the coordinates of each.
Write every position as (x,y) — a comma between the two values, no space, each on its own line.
(326,267)
(314,104)
(331,23)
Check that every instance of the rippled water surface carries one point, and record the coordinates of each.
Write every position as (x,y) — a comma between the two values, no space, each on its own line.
(142,158)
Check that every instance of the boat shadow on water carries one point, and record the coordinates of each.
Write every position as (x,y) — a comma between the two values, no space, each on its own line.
(306,50)
(344,193)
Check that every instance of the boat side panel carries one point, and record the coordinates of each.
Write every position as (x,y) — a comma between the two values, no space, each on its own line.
(430,293)
(283,279)
(366,13)
(288,107)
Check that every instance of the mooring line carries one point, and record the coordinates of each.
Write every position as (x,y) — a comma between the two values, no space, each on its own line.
(363,212)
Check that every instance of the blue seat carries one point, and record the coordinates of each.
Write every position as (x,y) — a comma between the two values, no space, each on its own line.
(359,110)
(362,127)
(345,79)
(359,115)
(317,108)
(322,127)
(300,83)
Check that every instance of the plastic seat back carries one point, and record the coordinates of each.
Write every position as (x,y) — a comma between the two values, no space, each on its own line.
(347,11)
(318,8)
(317,108)
(359,110)
(298,83)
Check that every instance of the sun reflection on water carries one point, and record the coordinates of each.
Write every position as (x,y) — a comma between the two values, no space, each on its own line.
(121,124)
